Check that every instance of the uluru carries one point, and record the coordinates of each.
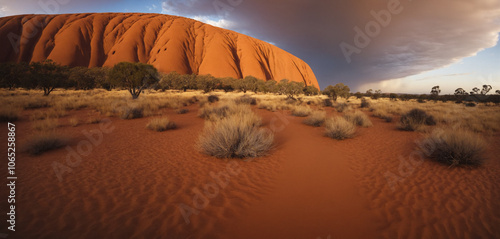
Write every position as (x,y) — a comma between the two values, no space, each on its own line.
(169,43)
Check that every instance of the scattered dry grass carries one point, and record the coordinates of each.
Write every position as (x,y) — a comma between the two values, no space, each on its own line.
(182,111)
(316,119)
(339,128)
(342,106)
(43,142)
(454,147)
(161,124)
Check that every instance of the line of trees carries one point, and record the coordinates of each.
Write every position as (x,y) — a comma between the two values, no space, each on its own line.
(135,77)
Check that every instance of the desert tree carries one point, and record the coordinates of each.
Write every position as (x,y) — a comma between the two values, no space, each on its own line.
(474,91)
(228,84)
(207,83)
(249,83)
(377,94)
(294,88)
(135,77)
(460,91)
(12,74)
(311,90)
(369,92)
(498,92)
(435,91)
(82,78)
(486,89)
(268,86)
(339,90)
(47,75)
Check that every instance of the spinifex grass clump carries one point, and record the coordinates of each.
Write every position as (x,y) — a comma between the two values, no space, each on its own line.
(301,111)
(42,142)
(415,119)
(161,124)
(358,118)
(236,136)
(454,147)
(339,128)
(316,119)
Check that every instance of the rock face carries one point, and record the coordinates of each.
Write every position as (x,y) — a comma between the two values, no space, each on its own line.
(169,43)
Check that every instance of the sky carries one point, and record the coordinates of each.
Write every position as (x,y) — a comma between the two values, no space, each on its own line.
(401,46)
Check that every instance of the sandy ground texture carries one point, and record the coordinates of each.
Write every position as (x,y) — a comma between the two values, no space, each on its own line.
(137,183)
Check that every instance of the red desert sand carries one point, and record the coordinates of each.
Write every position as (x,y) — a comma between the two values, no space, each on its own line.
(138,183)
(169,43)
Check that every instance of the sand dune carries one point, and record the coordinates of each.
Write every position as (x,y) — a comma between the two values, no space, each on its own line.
(169,43)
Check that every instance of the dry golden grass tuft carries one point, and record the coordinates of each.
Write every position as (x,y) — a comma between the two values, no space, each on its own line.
(74,122)
(339,128)
(454,147)
(9,114)
(42,142)
(161,124)
(45,125)
(342,106)
(316,119)
(236,136)
(358,118)
(301,111)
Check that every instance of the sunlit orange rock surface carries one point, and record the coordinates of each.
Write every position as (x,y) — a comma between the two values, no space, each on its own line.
(170,43)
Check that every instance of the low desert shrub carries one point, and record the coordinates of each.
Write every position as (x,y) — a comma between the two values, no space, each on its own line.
(209,111)
(316,119)
(358,118)
(301,111)
(454,147)
(470,104)
(339,128)
(415,119)
(237,136)
(43,142)
(181,111)
(9,114)
(365,103)
(213,98)
(341,107)
(328,103)
(132,112)
(36,103)
(161,124)
(45,125)
(245,99)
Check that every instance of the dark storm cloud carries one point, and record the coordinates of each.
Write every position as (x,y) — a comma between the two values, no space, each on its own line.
(421,35)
